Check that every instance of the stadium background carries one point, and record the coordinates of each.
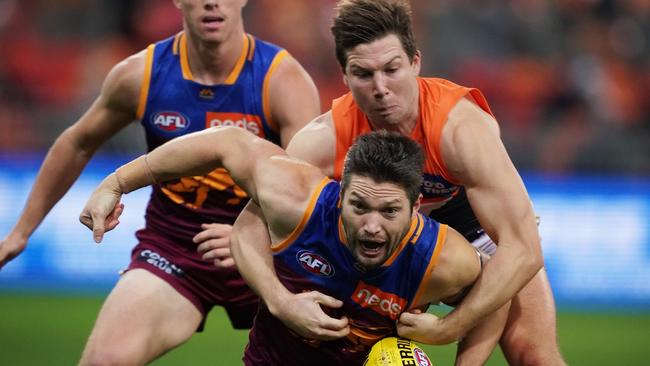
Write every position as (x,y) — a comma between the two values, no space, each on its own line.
(569,81)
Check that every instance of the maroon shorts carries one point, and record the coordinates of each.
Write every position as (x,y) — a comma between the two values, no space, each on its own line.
(200,282)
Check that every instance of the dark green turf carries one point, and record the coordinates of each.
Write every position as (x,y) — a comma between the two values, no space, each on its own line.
(51,330)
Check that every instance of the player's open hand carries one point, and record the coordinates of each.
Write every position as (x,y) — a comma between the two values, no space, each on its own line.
(303,314)
(214,244)
(10,247)
(424,327)
(103,209)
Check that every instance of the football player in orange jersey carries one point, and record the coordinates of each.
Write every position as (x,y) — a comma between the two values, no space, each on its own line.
(210,73)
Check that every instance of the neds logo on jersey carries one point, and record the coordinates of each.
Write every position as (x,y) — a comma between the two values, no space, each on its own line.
(381,302)
(249,122)
(170,121)
(314,263)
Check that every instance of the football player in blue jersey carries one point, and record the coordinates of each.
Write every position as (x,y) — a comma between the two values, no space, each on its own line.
(362,241)
(211,73)
(470,183)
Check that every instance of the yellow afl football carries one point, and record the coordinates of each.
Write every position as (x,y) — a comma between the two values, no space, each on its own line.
(393,351)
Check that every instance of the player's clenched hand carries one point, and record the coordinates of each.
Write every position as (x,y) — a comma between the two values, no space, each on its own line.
(103,208)
(303,314)
(214,244)
(424,327)
(10,247)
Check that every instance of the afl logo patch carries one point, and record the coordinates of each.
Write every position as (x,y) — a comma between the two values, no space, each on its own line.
(170,121)
(314,263)
(421,357)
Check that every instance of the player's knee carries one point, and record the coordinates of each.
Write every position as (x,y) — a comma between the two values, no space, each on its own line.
(524,353)
(115,356)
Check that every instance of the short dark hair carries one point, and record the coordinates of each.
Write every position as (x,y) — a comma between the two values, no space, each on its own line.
(386,157)
(365,21)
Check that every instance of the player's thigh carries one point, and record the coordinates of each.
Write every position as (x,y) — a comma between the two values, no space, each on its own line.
(142,318)
(530,336)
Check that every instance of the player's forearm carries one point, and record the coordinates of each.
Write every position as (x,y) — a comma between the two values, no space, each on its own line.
(184,156)
(250,246)
(256,267)
(507,272)
(195,154)
(60,169)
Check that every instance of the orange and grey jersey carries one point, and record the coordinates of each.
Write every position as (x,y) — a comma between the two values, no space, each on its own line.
(173,104)
(439,188)
(316,257)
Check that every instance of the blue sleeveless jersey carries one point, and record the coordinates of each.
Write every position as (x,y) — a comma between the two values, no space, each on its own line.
(315,257)
(172,104)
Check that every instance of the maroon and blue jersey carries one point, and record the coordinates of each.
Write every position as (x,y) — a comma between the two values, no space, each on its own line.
(172,104)
(316,257)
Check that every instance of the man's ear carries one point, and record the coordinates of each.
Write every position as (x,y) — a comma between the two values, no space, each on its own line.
(416,205)
(416,64)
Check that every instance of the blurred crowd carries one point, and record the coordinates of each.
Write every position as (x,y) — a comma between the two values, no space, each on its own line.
(569,80)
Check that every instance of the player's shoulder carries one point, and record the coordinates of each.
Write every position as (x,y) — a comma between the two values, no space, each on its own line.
(467,108)
(126,75)
(467,119)
(121,87)
(457,267)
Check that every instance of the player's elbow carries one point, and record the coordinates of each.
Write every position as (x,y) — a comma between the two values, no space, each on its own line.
(532,259)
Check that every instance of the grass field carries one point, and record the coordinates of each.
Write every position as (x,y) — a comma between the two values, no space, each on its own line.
(51,330)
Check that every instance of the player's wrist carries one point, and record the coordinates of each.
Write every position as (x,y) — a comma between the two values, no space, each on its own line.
(451,327)
(21,232)
(18,235)
(133,175)
(278,300)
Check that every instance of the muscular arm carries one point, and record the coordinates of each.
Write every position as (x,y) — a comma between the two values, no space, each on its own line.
(279,184)
(455,273)
(300,312)
(475,155)
(250,246)
(114,109)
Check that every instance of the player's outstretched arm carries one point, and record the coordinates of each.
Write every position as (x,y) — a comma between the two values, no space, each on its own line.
(114,108)
(475,155)
(278,183)
(300,312)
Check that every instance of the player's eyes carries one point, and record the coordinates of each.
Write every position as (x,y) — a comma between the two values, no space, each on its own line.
(391,211)
(358,206)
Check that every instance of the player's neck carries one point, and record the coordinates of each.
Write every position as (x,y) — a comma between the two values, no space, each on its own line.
(211,63)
